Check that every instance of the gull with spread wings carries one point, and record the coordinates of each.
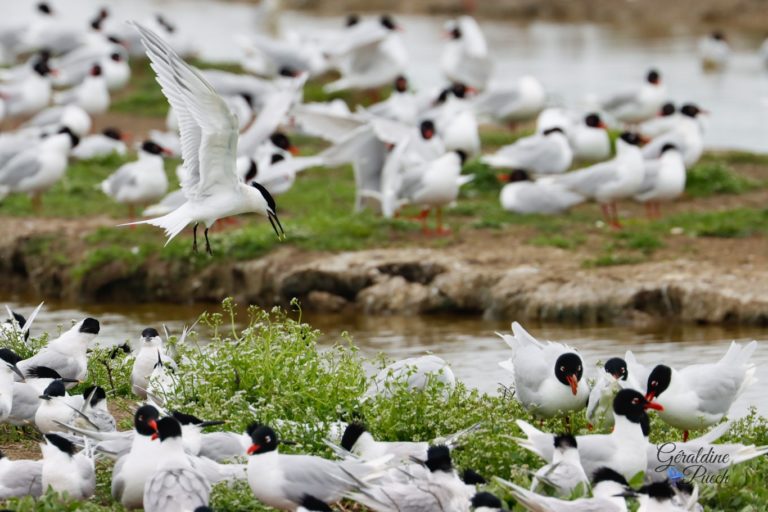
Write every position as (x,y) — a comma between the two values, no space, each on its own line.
(209,135)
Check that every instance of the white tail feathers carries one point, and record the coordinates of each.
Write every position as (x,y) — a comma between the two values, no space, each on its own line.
(738,355)
(523,336)
(172,223)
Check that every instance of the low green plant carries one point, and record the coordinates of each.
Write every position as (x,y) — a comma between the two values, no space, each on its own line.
(712,178)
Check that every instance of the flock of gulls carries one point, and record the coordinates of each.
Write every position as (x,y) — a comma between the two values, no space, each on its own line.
(409,149)
(232,130)
(168,462)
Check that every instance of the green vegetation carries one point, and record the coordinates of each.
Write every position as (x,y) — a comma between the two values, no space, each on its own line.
(713,178)
(275,366)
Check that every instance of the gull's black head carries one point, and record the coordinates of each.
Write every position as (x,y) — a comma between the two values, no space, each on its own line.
(351,434)
(54,389)
(168,428)
(718,36)
(659,491)
(617,367)
(352,20)
(96,70)
(151,147)
(555,129)
(632,405)
(471,477)
(459,90)
(439,458)
(149,333)
(690,110)
(43,55)
(42,68)
(569,370)
(112,133)
(486,500)
(9,356)
(653,77)
(275,158)
(593,121)
(667,109)
(65,445)
(96,23)
(96,393)
(565,441)
(388,22)
(658,381)
(115,40)
(630,138)
(287,71)
(666,147)
(264,440)
(90,326)
(427,129)
(252,428)
(44,8)
(605,474)
(116,57)
(74,140)
(455,32)
(280,140)
(145,420)
(401,84)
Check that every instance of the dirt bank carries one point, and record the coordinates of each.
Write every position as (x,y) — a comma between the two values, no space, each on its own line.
(481,272)
(661,14)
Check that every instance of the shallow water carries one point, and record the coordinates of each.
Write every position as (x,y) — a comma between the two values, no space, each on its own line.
(576,62)
(467,343)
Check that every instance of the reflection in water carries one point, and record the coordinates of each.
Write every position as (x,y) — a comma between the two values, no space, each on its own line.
(575,62)
(469,344)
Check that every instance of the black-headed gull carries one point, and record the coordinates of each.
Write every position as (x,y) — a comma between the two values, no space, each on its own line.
(564,474)
(664,180)
(401,105)
(611,181)
(139,182)
(39,168)
(92,94)
(640,104)
(65,470)
(613,377)
(133,469)
(67,353)
(465,57)
(687,136)
(29,95)
(209,149)
(624,450)
(700,395)
(714,51)
(456,121)
(281,481)
(589,139)
(99,145)
(548,376)
(607,496)
(175,485)
(666,119)
(546,153)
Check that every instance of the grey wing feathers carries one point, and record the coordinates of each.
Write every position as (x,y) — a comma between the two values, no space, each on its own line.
(619,101)
(185,488)
(24,479)
(586,181)
(324,479)
(18,168)
(123,177)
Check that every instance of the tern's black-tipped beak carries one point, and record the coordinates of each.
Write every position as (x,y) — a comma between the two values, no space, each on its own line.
(44,397)
(279,231)
(16,370)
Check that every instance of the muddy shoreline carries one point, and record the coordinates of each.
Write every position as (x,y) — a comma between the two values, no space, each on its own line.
(533,283)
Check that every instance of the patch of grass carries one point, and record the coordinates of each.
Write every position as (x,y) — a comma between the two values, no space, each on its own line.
(712,178)
(559,241)
(610,260)
(739,157)
(492,138)
(486,178)
(638,240)
(738,223)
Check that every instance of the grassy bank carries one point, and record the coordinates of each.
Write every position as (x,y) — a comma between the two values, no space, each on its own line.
(275,366)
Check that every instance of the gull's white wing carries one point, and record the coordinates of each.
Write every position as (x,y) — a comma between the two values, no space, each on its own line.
(208,129)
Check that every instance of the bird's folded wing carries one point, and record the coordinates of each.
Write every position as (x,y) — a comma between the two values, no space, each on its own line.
(22,166)
(208,129)
(588,180)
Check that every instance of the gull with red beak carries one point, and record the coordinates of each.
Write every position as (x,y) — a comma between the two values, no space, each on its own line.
(624,450)
(700,395)
(547,375)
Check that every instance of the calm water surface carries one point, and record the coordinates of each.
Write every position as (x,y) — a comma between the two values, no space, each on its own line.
(577,63)
(469,344)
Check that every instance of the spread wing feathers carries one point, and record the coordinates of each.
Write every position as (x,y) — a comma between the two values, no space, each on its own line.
(270,117)
(182,487)
(208,129)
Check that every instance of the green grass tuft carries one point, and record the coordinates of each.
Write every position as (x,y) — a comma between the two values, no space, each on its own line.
(712,178)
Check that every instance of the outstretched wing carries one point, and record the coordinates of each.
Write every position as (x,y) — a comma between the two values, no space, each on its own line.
(208,129)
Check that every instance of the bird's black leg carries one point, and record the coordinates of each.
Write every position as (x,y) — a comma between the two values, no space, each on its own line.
(194,238)
(207,243)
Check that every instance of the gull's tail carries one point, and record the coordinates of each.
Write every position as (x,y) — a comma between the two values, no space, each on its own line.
(172,223)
